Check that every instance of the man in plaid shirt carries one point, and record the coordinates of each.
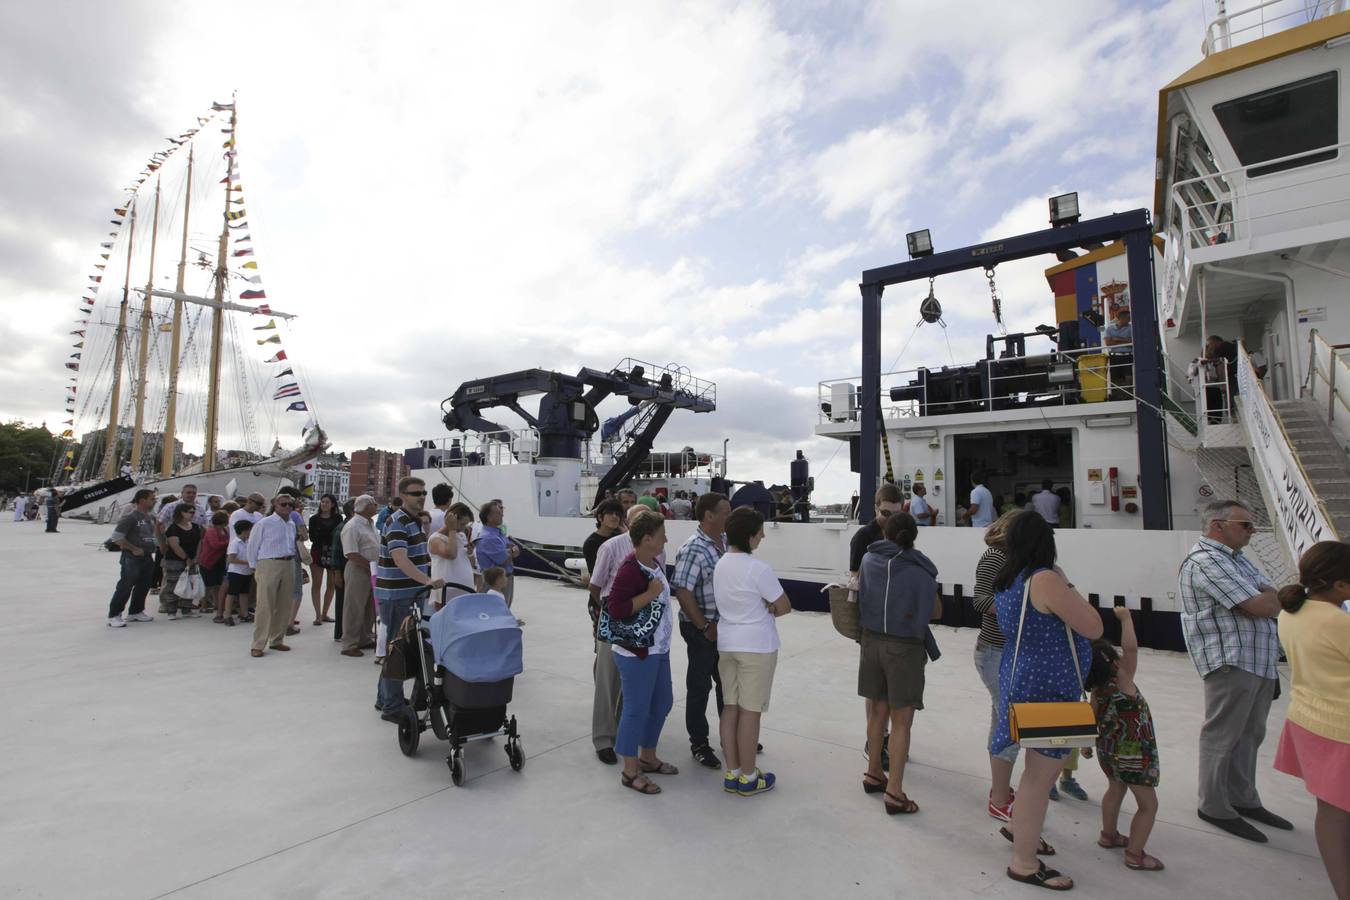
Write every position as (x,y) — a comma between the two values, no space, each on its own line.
(1228,620)
(693,585)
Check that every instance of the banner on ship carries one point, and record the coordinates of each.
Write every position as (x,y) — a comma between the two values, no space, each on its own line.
(1296,509)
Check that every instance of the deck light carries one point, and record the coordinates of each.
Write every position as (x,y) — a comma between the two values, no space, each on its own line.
(920,243)
(1064,209)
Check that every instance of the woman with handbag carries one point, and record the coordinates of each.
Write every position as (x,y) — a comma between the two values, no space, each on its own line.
(897,598)
(637,620)
(1050,627)
(181,540)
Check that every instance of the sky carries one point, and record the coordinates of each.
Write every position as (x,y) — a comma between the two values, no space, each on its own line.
(444,192)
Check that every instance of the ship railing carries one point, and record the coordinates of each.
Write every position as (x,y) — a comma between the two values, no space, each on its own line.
(1227,214)
(1329,381)
(488,448)
(1260,20)
(1060,378)
(680,378)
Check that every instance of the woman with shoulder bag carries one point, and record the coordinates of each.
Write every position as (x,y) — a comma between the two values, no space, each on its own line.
(1043,662)
(638,610)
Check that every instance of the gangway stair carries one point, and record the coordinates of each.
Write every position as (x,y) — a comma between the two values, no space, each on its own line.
(1321,457)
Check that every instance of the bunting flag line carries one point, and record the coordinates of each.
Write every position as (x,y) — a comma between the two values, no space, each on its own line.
(271,324)
(239,224)
(252,279)
(236,215)
(78,344)
(96,278)
(287,390)
(69,422)
(107,244)
(74,356)
(264,309)
(274,339)
(244,251)
(242,239)
(281,354)
(80,333)
(298,407)
(254,295)
(166,327)
(284,372)
(73,367)
(249,265)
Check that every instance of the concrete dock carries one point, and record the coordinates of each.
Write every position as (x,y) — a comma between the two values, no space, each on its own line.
(161,760)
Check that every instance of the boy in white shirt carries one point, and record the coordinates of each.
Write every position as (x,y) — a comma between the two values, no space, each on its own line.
(238,573)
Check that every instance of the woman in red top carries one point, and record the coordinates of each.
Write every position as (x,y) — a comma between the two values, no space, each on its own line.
(211,559)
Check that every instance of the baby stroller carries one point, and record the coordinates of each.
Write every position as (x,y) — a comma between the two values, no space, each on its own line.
(470,655)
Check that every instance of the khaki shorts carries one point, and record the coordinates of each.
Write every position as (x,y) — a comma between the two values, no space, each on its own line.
(747,678)
(890,669)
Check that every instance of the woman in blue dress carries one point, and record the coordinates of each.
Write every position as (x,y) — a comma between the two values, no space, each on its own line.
(1044,672)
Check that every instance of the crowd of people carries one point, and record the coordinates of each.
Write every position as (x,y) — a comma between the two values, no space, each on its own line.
(1040,642)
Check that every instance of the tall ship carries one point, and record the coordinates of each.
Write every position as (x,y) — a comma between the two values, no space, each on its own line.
(180,371)
(1232,382)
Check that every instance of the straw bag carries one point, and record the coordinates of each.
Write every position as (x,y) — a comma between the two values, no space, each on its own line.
(844,611)
(1051,726)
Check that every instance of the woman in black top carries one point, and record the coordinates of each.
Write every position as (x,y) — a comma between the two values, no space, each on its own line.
(989,656)
(321,527)
(181,539)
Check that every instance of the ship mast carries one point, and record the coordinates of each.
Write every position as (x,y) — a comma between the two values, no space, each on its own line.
(170,417)
(218,314)
(110,439)
(138,435)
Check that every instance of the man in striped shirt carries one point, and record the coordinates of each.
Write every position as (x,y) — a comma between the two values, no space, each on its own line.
(402,578)
(1228,620)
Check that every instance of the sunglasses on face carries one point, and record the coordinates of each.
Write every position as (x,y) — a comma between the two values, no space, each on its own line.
(414,493)
(1246,525)
(285,503)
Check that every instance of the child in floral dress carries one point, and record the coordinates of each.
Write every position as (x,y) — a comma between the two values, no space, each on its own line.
(1127,747)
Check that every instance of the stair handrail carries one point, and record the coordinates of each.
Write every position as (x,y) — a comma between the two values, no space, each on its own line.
(1308,514)
(1317,345)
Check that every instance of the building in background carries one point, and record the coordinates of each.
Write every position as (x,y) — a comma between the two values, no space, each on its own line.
(376,472)
(332,475)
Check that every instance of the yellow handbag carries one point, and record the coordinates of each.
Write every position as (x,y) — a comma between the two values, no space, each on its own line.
(1051,726)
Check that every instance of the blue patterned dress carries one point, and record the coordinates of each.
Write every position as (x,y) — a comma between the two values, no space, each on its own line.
(1044,666)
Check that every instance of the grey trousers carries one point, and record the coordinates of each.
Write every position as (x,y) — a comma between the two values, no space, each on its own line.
(608,702)
(358,610)
(1236,705)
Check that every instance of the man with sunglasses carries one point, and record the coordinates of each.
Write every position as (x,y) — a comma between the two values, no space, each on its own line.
(271,555)
(1228,621)
(402,578)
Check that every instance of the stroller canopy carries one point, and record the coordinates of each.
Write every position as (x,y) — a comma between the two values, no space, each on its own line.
(476,638)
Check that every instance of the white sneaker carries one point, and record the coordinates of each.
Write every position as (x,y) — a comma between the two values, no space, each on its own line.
(117,622)
(173,616)
(140,617)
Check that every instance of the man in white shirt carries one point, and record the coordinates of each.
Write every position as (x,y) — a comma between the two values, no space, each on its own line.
(441,497)
(271,554)
(981,511)
(361,550)
(1047,502)
(920,509)
(251,510)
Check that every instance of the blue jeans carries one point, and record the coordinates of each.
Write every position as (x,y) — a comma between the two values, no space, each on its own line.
(647,700)
(987,661)
(134,584)
(389,693)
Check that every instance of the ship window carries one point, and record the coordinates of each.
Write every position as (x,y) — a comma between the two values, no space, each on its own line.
(1292,118)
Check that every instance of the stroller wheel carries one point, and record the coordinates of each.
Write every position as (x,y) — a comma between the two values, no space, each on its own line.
(409,733)
(516,754)
(456,764)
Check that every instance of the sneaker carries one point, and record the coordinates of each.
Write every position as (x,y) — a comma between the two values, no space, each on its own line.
(756,782)
(117,622)
(731,783)
(140,617)
(1054,794)
(173,616)
(706,757)
(1002,813)
(1071,787)
(189,614)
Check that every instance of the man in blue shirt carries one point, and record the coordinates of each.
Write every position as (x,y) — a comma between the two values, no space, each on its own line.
(402,578)
(493,548)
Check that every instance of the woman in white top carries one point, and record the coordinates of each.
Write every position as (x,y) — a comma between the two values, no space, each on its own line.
(749,598)
(449,549)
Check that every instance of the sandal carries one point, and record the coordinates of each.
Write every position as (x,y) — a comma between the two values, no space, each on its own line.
(872,784)
(1142,862)
(1041,878)
(219,620)
(1112,841)
(646,787)
(1042,849)
(657,768)
(318,622)
(902,805)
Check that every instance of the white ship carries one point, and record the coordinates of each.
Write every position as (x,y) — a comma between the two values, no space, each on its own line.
(1246,240)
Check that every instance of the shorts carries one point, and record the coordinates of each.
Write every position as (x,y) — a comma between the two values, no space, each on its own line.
(747,678)
(213,576)
(239,584)
(890,669)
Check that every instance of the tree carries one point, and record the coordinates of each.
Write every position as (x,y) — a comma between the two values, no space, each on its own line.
(27,454)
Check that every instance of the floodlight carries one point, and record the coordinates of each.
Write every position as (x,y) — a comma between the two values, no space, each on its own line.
(920,243)
(1064,209)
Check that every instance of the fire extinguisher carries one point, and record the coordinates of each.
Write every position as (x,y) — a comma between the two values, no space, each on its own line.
(1113,485)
